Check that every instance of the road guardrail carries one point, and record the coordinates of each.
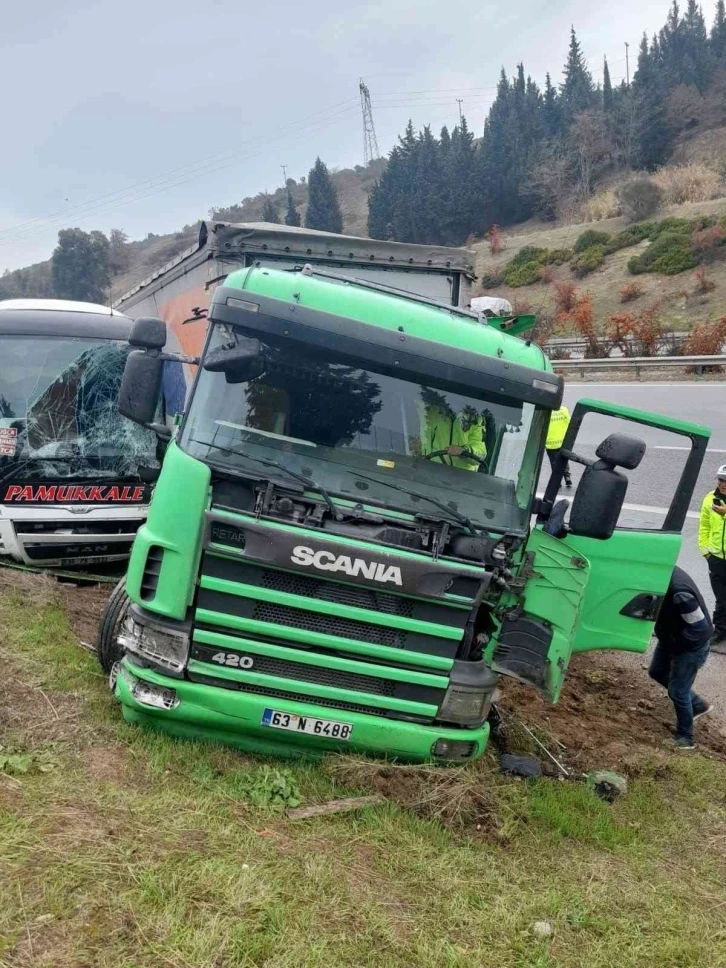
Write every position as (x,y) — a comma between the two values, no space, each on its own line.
(639,363)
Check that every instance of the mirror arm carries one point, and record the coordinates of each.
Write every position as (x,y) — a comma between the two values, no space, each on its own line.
(179,358)
(576,458)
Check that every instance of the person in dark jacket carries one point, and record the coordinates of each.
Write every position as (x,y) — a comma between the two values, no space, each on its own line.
(683,630)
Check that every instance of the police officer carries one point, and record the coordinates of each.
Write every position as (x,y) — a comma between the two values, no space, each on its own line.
(458,438)
(712,544)
(559,422)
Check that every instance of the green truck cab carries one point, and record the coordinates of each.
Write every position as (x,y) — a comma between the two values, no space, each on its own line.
(340,554)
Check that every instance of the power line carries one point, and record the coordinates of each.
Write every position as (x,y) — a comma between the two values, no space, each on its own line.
(370,141)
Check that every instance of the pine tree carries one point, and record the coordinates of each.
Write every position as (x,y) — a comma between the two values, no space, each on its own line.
(323,211)
(269,211)
(718,32)
(649,93)
(551,109)
(577,92)
(292,216)
(608,100)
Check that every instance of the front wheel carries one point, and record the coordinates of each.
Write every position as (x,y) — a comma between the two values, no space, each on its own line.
(112,619)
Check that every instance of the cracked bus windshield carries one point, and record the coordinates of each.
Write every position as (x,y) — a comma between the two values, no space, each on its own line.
(351,430)
(59,414)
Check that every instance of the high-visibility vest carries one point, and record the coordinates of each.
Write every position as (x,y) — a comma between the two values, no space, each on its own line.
(559,422)
(712,528)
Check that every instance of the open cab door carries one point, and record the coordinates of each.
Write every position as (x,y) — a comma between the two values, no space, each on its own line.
(618,564)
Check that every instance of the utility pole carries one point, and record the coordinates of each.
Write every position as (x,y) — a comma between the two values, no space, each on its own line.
(460,101)
(284,175)
(627,63)
(370,141)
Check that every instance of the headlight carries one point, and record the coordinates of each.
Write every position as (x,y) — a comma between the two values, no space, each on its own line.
(165,648)
(150,695)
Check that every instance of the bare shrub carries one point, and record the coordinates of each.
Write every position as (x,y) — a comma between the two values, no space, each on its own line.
(565,296)
(630,292)
(639,197)
(706,339)
(546,274)
(521,306)
(496,241)
(702,283)
(604,204)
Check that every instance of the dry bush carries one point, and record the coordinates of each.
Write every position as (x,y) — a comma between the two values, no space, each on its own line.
(693,182)
(648,332)
(702,283)
(546,274)
(630,292)
(618,331)
(544,329)
(521,306)
(496,240)
(603,205)
(707,240)
(705,339)
(565,296)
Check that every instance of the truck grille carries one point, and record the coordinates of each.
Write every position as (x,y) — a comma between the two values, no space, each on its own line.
(330,624)
(310,639)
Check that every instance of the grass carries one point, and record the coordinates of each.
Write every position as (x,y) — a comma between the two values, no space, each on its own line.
(137,850)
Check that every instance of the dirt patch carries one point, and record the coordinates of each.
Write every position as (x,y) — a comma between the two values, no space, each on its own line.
(84,605)
(106,762)
(607,717)
(34,713)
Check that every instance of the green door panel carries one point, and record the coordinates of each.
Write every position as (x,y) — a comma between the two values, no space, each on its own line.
(554,593)
(627,564)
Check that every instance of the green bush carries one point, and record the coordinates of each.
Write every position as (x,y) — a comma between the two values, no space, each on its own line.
(670,226)
(591,238)
(520,274)
(669,253)
(587,261)
(491,280)
(627,237)
(529,253)
(558,257)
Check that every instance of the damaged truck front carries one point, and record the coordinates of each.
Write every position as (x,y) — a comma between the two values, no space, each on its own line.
(339,550)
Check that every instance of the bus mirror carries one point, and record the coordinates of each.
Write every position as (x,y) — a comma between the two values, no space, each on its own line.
(148,333)
(598,501)
(239,361)
(140,390)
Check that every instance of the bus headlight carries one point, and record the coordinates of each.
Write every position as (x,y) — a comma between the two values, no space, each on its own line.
(163,647)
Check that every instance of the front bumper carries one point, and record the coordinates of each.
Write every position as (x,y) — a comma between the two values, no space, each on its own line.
(234,719)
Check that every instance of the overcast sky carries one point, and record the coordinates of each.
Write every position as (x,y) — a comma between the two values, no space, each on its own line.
(143,114)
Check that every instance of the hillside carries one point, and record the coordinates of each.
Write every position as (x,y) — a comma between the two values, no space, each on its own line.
(145,256)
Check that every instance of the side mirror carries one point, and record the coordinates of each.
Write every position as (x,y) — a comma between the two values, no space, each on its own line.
(601,492)
(240,361)
(140,390)
(148,333)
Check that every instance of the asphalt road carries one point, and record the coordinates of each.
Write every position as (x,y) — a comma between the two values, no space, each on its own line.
(652,486)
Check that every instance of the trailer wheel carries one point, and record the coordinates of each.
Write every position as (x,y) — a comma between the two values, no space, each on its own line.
(112,619)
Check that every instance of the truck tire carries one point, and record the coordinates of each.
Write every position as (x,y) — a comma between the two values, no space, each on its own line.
(112,619)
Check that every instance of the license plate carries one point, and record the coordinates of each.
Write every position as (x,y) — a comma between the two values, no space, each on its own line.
(327,728)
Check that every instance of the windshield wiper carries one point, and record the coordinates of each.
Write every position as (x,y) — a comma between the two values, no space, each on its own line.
(268,462)
(461,518)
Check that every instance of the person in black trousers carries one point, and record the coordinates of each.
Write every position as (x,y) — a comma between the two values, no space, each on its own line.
(683,630)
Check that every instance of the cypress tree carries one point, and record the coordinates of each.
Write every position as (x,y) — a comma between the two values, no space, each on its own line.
(551,109)
(649,91)
(323,211)
(608,100)
(292,216)
(577,92)
(269,211)
(718,32)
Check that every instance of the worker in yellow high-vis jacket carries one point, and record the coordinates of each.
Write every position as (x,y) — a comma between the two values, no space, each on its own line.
(559,422)
(712,544)
(456,438)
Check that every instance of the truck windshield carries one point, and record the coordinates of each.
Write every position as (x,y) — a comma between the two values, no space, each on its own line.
(371,438)
(59,413)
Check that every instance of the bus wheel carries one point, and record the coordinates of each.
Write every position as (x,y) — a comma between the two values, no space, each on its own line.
(112,621)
